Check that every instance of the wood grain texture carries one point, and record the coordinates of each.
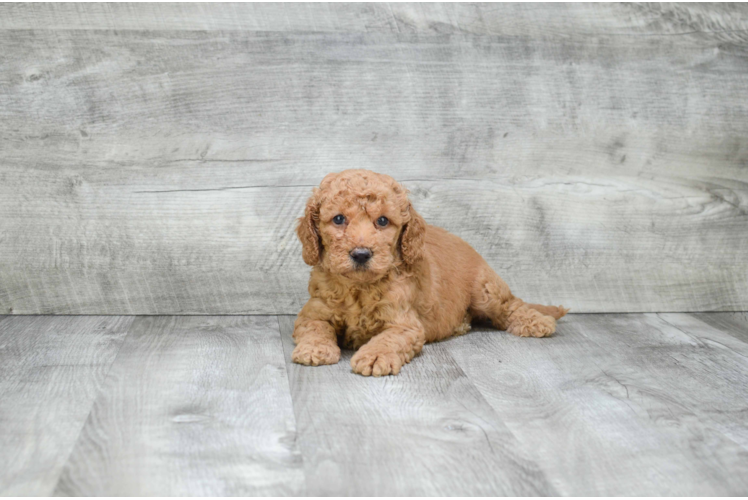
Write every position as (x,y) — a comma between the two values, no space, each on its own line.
(424,432)
(721,373)
(155,158)
(536,19)
(621,404)
(192,406)
(735,324)
(51,370)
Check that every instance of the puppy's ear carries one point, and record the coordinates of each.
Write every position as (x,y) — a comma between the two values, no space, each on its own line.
(413,239)
(307,231)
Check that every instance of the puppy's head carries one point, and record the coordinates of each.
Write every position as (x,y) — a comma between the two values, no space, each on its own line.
(360,224)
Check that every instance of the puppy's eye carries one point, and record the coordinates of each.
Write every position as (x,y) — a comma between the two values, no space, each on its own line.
(339,219)
(382,221)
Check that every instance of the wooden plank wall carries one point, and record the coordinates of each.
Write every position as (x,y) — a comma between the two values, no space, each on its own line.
(154,157)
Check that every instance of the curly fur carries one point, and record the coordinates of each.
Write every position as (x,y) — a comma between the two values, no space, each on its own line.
(421,285)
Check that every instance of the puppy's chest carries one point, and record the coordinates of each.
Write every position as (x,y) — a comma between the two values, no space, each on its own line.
(360,316)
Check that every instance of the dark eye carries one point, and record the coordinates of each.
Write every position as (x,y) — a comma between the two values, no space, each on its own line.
(339,219)
(382,221)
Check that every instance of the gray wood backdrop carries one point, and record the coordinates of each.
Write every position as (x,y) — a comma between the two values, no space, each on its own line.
(154,157)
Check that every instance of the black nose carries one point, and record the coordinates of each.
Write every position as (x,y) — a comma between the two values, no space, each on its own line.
(360,255)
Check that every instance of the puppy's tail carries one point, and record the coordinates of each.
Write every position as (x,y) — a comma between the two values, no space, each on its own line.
(557,312)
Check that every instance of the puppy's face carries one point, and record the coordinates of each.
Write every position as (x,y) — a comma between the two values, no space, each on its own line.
(356,225)
(359,235)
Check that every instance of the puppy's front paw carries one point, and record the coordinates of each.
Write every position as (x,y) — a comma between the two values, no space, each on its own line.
(375,362)
(309,353)
(538,325)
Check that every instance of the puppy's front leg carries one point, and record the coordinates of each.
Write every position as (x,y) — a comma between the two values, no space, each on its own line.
(388,351)
(316,339)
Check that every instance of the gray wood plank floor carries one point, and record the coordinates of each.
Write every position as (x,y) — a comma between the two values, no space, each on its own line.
(614,404)
(193,405)
(51,370)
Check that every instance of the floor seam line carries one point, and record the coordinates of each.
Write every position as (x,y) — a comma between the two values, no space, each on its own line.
(93,403)
(293,404)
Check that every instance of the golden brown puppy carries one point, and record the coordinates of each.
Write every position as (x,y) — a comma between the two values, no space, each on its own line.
(385,282)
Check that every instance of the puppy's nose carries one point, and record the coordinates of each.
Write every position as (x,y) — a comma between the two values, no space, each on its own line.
(360,255)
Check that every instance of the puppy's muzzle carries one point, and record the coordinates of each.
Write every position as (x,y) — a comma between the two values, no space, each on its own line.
(360,256)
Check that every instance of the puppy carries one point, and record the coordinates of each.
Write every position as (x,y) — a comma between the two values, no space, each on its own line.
(384,282)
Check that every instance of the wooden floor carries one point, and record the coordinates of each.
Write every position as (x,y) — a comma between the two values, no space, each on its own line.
(630,404)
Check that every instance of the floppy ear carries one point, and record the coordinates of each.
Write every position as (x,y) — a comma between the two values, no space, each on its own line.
(413,239)
(307,231)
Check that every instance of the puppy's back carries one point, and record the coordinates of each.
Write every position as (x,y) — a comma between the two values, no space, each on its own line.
(452,254)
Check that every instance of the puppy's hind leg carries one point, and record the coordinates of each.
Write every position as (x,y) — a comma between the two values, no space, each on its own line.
(492,299)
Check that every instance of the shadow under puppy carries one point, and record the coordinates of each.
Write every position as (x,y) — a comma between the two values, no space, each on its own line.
(385,282)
